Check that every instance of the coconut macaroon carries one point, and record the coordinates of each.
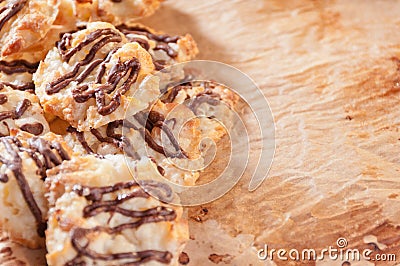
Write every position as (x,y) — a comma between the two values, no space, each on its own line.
(17,74)
(212,103)
(94,75)
(171,141)
(24,160)
(112,11)
(174,133)
(165,49)
(21,110)
(24,23)
(101,216)
(28,30)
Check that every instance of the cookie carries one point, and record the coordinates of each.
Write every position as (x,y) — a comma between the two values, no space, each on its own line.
(213,103)
(165,49)
(101,216)
(27,36)
(169,142)
(23,23)
(17,74)
(21,110)
(171,133)
(23,163)
(113,11)
(93,76)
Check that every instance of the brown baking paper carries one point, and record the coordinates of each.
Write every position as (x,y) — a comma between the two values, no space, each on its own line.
(330,71)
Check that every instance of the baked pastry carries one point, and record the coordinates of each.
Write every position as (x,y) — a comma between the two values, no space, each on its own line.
(165,49)
(24,22)
(170,133)
(24,160)
(28,30)
(17,74)
(21,110)
(140,137)
(101,216)
(113,11)
(213,103)
(94,75)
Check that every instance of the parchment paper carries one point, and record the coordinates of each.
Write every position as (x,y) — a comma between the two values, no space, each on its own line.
(330,72)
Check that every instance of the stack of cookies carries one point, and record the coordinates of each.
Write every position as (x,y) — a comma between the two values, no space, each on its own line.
(83,117)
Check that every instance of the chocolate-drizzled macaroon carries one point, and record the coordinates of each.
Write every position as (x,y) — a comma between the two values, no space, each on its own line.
(113,11)
(168,139)
(100,216)
(17,74)
(94,75)
(165,49)
(23,24)
(20,110)
(24,160)
(171,132)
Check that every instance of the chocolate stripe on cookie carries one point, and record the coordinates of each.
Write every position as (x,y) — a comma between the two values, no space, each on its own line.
(208,96)
(107,35)
(19,110)
(154,119)
(98,206)
(3,99)
(162,41)
(52,154)
(18,66)
(29,86)
(127,70)
(81,138)
(148,121)
(137,30)
(63,81)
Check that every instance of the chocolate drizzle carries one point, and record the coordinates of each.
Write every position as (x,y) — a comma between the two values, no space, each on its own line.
(83,92)
(208,96)
(137,30)
(3,99)
(46,155)
(152,120)
(10,10)
(107,35)
(18,66)
(162,41)
(81,138)
(148,122)
(19,110)
(29,86)
(124,192)
(34,128)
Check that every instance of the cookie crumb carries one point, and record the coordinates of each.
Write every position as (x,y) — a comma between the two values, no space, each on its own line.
(215,258)
(184,258)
